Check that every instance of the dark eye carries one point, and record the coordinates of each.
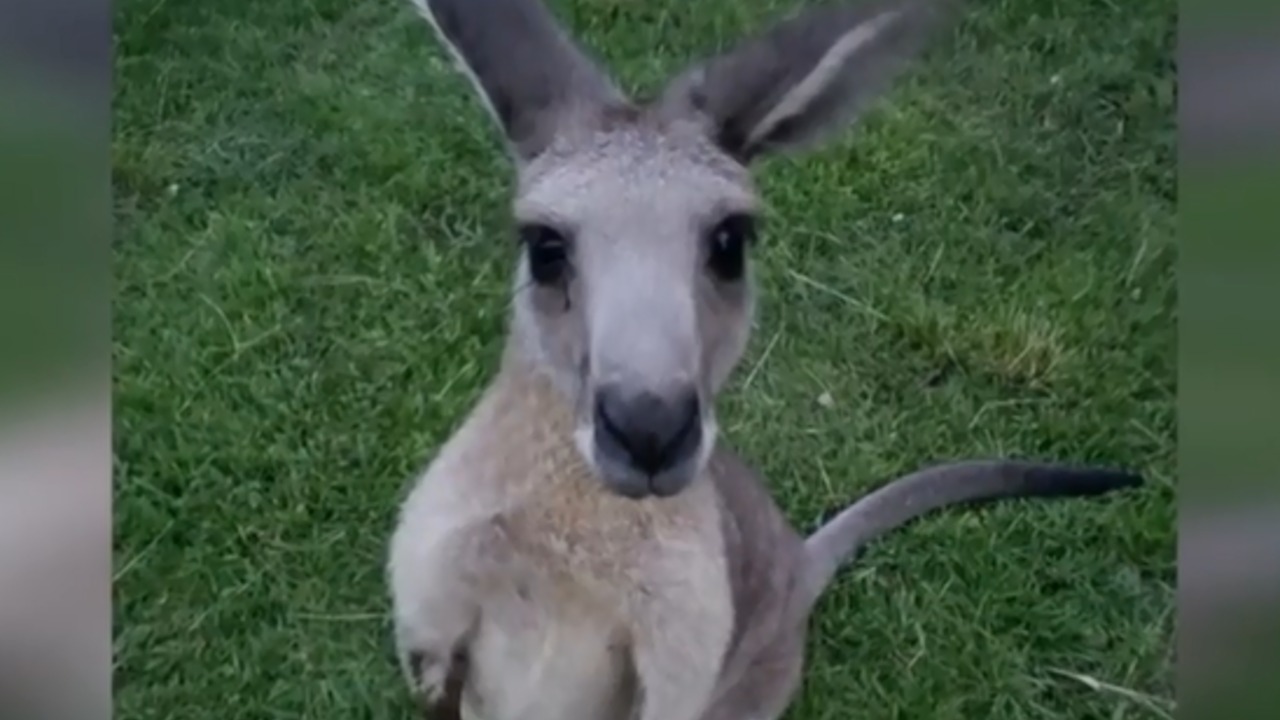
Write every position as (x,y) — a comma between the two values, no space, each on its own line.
(726,246)
(548,253)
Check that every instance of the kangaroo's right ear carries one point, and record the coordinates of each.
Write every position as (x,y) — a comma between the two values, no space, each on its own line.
(531,76)
(807,76)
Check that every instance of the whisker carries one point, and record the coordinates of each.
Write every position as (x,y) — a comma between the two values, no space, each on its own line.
(515,291)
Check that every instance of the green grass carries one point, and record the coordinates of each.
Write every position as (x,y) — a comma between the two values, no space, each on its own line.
(311,286)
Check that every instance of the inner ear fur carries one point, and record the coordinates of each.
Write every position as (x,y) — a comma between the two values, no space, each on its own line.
(805,77)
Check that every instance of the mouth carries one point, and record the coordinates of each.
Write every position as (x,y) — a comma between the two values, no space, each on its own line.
(625,479)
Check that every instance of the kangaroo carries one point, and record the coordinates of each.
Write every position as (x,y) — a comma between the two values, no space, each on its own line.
(585,546)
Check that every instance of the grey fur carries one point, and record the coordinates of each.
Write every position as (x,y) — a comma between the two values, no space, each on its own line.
(972,481)
(535,576)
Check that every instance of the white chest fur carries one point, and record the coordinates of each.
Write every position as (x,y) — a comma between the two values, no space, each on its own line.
(547,655)
(552,607)
(564,595)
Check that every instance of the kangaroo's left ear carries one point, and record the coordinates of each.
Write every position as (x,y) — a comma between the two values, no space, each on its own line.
(530,74)
(804,78)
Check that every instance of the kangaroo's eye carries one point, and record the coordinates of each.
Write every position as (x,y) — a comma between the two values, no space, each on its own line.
(727,246)
(548,252)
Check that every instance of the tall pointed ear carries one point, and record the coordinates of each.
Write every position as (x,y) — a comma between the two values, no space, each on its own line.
(530,75)
(804,78)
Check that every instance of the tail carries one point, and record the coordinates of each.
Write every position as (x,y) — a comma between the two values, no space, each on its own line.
(965,482)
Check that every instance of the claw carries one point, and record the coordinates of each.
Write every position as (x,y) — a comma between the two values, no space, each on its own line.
(439,683)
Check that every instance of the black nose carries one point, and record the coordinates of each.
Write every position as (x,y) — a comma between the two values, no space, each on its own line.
(650,432)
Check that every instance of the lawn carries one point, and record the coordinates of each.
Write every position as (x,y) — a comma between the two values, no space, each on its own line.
(312,278)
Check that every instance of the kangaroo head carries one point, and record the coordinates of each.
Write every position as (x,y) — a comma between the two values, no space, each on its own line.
(635,219)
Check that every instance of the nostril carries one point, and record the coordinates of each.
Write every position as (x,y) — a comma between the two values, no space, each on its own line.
(685,418)
(611,416)
(654,433)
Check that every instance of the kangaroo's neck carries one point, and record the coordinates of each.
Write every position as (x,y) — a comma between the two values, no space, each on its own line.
(526,387)
(521,432)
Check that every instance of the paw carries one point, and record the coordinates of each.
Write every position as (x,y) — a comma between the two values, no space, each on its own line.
(427,673)
(437,680)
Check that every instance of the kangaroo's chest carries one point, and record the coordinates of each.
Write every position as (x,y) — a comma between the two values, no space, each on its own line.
(553,642)
(548,648)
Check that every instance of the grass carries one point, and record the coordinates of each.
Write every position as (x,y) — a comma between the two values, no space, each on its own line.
(311,288)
